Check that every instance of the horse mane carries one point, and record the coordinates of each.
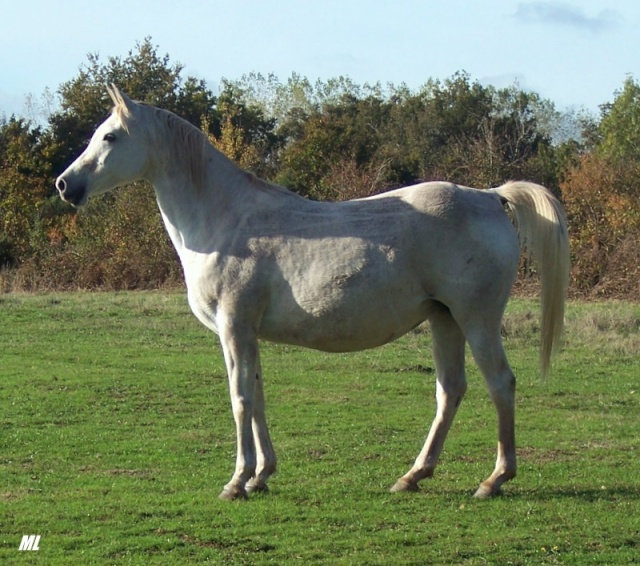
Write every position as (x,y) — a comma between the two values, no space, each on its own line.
(191,145)
(179,142)
(183,144)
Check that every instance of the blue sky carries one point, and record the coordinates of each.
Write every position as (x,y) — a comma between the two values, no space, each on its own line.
(575,52)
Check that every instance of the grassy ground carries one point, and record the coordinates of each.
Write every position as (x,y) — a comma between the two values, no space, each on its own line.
(117,435)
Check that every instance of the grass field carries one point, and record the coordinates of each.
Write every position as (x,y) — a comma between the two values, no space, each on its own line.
(117,436)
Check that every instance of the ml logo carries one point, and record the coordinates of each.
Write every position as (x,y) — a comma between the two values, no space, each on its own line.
(30,542)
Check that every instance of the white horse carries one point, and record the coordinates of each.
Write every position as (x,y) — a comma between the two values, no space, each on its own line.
(261,262)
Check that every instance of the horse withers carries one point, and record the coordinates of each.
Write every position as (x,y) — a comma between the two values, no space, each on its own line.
(262,263)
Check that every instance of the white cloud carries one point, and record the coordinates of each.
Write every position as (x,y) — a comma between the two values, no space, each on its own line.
(564,14)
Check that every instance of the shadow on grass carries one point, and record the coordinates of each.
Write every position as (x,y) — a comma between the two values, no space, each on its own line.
(629,493)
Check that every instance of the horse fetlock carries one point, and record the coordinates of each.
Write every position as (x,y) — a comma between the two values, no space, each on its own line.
(493,486)
(267,470)
(256,485)
(233,493)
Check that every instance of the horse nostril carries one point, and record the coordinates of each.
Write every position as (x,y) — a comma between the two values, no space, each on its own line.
(71,192)
(61,185)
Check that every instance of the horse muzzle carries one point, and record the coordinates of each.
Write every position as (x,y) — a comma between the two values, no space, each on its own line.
(73,194)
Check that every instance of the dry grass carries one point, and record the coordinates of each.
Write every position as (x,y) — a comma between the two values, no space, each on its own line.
(612,327)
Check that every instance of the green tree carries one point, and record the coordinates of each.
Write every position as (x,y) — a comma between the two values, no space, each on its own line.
(619,127)
(243,132)
(432,130)
(601,191)
(144,75)
(516,139)
(331,139)
(25,176)
(350,131)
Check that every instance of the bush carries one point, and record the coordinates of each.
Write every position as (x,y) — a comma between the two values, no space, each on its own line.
(601,196)
(118,242)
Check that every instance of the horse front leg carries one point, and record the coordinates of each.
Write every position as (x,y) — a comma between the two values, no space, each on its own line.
(240,348)
(266,461)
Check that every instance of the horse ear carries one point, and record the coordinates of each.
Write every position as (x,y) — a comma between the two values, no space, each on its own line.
(112,90)
(120,98)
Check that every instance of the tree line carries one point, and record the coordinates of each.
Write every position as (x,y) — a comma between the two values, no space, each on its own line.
(332,140)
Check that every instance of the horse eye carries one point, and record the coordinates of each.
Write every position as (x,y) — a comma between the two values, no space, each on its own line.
(109,138)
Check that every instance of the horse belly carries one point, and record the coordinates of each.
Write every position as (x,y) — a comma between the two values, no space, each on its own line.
(347,321)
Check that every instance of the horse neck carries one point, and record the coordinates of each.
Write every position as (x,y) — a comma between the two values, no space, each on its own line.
(196,209)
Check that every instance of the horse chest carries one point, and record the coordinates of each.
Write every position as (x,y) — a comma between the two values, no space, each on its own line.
(205,311)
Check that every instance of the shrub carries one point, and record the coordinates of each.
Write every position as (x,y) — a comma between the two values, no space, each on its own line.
(601,197)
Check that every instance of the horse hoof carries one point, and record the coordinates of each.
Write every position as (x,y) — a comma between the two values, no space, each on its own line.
(233,493)
(257,486)
(404,485)
(486,492)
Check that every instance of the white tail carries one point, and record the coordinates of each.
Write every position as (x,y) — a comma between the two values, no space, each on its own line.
(542,230)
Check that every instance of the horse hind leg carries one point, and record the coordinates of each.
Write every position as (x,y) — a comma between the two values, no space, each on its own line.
(487,350)
(448,350)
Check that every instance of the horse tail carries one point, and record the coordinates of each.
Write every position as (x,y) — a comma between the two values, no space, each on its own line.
(542,230)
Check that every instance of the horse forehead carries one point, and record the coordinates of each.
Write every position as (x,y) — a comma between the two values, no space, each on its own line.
(112,123)
(117,119)
(107,124)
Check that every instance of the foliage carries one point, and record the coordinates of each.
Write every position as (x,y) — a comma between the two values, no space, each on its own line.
(95,248)
(350,131)
(602,195)
(118,435)
(244,133)
(24,190)
(144,75)
(456,130)
(602,198)
(619,127)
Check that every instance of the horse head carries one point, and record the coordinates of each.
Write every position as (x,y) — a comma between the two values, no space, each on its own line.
(114,156)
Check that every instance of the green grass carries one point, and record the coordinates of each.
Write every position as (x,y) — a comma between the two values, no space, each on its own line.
(117,436)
